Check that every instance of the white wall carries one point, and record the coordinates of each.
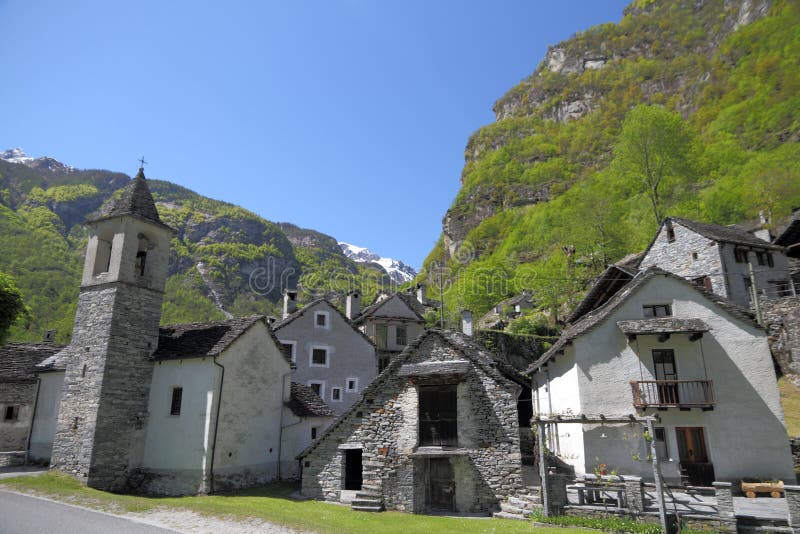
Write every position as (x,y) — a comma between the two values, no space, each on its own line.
(44,423)
(296,438)
(745,432)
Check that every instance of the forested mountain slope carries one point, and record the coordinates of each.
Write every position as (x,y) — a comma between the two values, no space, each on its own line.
(554,172)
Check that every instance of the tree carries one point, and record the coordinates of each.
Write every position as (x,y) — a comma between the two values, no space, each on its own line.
(654,151)
(12,305)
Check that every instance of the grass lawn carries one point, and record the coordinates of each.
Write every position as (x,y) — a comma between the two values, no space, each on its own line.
(790,398)
(272,503)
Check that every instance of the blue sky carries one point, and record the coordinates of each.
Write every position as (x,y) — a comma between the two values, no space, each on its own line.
(346,116)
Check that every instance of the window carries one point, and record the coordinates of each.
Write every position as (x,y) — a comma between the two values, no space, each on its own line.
(670,232)
(694,256)
(740,255)
(770,259)
(319,357)
(383,362)
(656,310)
(291,349)
(351,385)
(761,257)
(177,397)
(141,258)
(313,432)
(381,336)
(438,416)
(102,258)
(318,387)
(11,413)
(703,281)
(660,440)
(336,394)
(401,336)
(321,320)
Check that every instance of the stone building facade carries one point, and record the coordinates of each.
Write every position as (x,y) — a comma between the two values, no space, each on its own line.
(437,431)
(103,407)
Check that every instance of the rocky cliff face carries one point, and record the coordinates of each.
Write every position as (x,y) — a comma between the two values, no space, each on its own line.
(664,48)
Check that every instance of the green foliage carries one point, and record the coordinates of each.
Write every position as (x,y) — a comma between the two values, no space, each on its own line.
(61,193)
(12,305)
(609,523)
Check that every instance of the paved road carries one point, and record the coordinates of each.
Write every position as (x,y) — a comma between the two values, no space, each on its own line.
(20,514)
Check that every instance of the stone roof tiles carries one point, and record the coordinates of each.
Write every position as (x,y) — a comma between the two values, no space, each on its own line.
(18,361)
(662,325)
(135,201)
(306,403)
(728,234)
(196,340)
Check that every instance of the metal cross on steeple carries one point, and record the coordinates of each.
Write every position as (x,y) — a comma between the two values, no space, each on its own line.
(142,163)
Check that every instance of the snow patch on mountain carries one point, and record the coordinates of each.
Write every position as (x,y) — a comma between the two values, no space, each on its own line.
(46,163)
(398,271)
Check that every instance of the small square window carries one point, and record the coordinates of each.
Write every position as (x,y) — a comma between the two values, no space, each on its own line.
(11,413)
(401,336)
(291,348)
(317,387)
(336,394)
(656,310)
(694,255)
(761,257)
(740,255)
(321,320)
(177,398)
(319,357)
(351,385)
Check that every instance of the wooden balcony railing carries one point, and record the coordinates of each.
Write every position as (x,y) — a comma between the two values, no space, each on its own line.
(673,394)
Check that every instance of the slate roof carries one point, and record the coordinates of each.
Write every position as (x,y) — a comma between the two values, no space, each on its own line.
(454,367)
(467,347)
(306,403)
(408,299)
(790,238)
(662,325)
(135,201)
(597,316)
(604,287)
(18,361)
(197,340)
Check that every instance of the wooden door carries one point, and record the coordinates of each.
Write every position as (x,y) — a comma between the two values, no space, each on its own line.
(665,369)
(441,485)
(693,455)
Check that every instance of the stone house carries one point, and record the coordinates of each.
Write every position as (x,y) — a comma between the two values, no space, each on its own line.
(438,430)
(719,258)
(330,354)
(130,406)
(506,310)
(663,346)
(18,387)
(391,322)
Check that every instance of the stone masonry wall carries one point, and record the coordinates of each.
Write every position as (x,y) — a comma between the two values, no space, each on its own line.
(676,257)
(14,433)
(384,425)
(782,317)
(103,412)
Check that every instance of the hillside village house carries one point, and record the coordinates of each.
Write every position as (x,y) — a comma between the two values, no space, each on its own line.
(331,355)
(662,346)
(438,430)
(391,322)
(505,311)
(720,259)
(129,406)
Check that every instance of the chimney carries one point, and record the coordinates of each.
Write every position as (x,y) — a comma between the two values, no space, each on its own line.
(289,302)
(49,336)
(353,305)
(271,320)
(422,293)
(466,322)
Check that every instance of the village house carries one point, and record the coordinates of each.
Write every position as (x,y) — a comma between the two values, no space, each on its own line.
(392,322)
(724,259)
(438,431)
(18,388)
(498,317)
(330,354)
(659,345)
(129,406)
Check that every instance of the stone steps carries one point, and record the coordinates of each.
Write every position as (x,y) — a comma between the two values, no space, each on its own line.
(368,499)
(506,515)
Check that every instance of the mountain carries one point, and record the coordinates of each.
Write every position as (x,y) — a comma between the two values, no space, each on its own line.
(398,271)
(547,195)
(224,259)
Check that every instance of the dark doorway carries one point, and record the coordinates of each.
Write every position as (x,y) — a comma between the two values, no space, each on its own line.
(438,415)
(666,373)
(441,485)
(693,456)
(352,469)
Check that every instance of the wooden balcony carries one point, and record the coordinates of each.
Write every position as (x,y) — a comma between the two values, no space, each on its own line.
(673,394)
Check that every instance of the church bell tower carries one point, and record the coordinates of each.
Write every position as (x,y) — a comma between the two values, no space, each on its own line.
(103,410)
